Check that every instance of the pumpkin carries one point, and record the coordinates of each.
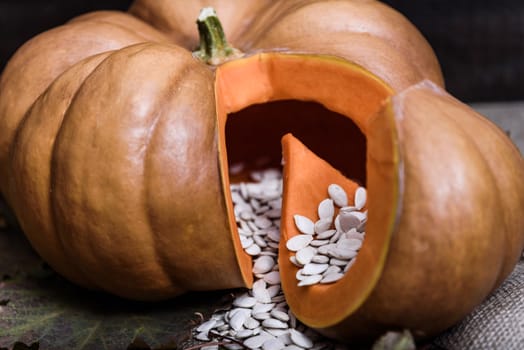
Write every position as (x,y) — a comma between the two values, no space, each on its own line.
(115,142)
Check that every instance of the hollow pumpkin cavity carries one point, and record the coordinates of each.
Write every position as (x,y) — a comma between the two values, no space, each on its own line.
(327,109)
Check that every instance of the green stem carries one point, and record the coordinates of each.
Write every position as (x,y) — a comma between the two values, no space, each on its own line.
(214,48)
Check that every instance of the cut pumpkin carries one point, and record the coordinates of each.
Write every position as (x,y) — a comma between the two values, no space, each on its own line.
(115,146)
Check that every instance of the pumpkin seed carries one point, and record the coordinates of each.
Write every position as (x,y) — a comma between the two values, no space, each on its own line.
(272,277)
(263,264)
(253,250)
(273,290)
(274,323)
(261,316)
(244,333)
(320,259)
(314,269)
(251,324)
(300,339)
(207,326)
(259,307)
(323,225)
(279,315)
(237,320)
(310,280)
(319,242)
(244,301)
(256,341)
(304,224)
(338,195)
(305,255)
(326,234)
(326,209)
(360,197)
(273,344)
(298,242)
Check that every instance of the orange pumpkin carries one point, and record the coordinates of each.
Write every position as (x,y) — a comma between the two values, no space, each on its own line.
(115,143)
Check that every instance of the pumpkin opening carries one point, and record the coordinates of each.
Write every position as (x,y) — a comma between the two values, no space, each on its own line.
(329,104)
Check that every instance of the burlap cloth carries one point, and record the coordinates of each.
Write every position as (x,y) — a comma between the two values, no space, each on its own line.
(498,323)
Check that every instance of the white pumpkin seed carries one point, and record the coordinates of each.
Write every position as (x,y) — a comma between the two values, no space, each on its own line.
(256,341)
(324,250)
(349,243)
(202,336)
(244,333)
(253,250)
(261,316)
(319,242)
(207,326)
(260,307)
(272,277)
(326,209)
(349,220)
(310,280)
(279,315)
(332,269)
(314,269)
(338,195)
(338,262)
(300,339)
(342,253)
(238,318)
(299,275)
(273,235)
(305,255)
(304,224)
(298,242)
(263,222)
(263,264)
(323,225)
(246,241)
(273,290)
(261,242)
(326,234)
(273,344)
(251,324)
(244,301)
(320,259)
(294,261)
(260,292)
(360,197)
(274,323)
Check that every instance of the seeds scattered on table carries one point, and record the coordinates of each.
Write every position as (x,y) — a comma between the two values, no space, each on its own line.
(260,317)
(318,253)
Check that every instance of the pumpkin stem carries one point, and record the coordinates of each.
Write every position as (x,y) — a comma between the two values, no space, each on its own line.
(214,48)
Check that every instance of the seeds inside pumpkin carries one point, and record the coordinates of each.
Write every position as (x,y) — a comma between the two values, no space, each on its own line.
(260,318)
(320,260)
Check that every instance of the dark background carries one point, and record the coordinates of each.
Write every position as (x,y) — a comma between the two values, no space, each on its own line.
(480,44)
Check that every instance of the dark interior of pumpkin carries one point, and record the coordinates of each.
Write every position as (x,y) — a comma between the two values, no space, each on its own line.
(253,137)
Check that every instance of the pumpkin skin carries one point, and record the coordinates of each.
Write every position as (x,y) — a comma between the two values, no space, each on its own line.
(113,152)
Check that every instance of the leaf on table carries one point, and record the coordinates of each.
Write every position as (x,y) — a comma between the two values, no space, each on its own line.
(41,310)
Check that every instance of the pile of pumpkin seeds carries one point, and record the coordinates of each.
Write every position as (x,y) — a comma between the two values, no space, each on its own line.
(326,248)
(260,318)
